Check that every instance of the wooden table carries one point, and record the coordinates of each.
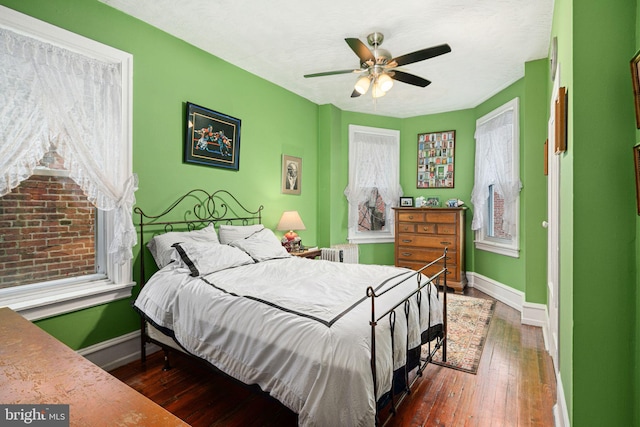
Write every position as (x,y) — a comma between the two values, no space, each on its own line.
(35,368)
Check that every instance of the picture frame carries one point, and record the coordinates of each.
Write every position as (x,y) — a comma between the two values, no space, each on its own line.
(561,121)
(291,175)
(433,202)
(406,202)
(636,160)
(436,159)
(212,138)
(635,78)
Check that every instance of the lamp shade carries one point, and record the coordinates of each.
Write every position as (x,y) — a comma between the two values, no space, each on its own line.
(290,220)
(385,82)
(362,85)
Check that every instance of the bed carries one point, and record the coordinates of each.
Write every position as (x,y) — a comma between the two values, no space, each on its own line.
(336,343)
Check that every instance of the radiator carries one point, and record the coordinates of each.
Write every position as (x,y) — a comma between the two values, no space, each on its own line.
(347,253)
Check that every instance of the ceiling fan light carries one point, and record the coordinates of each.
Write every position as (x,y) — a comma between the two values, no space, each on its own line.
(385,82)
(362,85)
(376,91)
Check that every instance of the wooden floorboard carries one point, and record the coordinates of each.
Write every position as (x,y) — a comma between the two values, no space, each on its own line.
(515,386)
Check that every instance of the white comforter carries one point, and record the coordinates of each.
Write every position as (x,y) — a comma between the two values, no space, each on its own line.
(298,328)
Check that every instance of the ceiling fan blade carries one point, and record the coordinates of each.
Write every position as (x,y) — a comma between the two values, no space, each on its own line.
(403,77)
(330,73)
(360,49)
(355,94)
(421,55)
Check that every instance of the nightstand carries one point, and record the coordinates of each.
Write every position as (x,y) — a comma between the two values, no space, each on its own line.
(307,253)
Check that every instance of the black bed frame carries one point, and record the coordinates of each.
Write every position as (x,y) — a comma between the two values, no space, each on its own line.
(199,208)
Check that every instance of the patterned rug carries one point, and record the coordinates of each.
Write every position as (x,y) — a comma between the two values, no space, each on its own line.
(468,326)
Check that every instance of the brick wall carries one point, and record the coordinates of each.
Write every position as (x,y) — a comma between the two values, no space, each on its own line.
(48,232)
(498,213)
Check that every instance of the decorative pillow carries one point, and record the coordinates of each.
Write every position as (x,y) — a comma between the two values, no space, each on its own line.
(205,258)
(161,245)
(262,245)
(229,233)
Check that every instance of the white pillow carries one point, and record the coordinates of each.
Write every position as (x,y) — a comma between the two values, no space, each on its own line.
(161,245)
(229,233)
(205,258)
(262,245)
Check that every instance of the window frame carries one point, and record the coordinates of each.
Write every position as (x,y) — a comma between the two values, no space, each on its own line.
(483,241)
(379,236)
(46,299)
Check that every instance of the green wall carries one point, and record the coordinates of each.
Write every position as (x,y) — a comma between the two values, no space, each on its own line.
(603,134)
(599,326)
(167,74)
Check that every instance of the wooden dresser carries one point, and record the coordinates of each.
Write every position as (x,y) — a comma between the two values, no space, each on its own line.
(423,233)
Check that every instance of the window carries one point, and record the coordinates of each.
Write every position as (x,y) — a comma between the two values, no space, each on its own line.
(39,61)
(496,190)
(374,183)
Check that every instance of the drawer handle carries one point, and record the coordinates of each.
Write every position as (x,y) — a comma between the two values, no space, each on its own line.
(425,228)
(407,254)
(410,216)
(445,243)
(407,240)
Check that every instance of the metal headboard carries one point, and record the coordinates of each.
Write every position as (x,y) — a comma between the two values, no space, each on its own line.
(219,207)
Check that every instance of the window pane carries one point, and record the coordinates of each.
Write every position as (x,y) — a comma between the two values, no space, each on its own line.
(496,216)
(49,231)
(372,213)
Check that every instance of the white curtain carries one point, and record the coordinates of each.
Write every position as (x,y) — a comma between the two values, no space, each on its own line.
(493,166)
(377,167)
(53,97)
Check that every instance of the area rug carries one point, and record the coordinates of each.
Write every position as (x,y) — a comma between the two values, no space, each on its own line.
(468,325)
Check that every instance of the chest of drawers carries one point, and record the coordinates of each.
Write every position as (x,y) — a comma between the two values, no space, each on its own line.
(422,234)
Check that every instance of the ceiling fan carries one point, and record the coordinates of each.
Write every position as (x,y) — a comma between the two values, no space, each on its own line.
(379,69)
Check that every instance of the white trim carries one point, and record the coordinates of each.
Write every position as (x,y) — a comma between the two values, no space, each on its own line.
(116,352)
(489,246)
(379,236)
(482,241)
(560,413)
(533,314)
(44,301)
(505,294)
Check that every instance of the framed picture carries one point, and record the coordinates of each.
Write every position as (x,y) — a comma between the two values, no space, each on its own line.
(433,202)
(636,159)
(406,202)
(436,159)
(561,121)
(291,174)
(635,76)
(212,138)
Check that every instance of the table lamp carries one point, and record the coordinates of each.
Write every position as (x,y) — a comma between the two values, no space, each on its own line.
(290,221)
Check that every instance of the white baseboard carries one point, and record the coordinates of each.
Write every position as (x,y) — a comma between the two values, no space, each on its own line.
(560,413)
(530,313)
(116,352)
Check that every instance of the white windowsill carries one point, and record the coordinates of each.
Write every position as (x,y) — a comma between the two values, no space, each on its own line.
(497,248)
(39,303)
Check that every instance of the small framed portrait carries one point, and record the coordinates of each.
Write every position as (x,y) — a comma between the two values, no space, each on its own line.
(291,175)
(406,202)
(212,138)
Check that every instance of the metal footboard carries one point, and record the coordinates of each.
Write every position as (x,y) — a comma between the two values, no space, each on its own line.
(404,306)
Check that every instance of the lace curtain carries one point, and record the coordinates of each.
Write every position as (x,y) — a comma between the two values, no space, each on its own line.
(55,98)
(377,166)
(493,166)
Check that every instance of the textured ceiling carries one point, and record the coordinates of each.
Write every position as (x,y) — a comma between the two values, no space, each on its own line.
(281,40)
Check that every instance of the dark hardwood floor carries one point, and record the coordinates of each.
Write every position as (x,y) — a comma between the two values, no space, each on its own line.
(515,386)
